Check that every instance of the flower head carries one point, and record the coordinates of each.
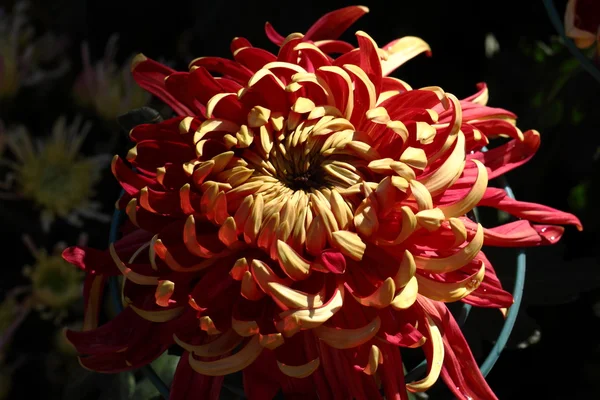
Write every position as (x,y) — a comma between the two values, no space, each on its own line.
(107,88)
(303,217)
(22,54)
(53,174)
(55,284)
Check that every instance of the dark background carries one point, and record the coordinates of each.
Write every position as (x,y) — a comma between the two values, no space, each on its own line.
(562,299)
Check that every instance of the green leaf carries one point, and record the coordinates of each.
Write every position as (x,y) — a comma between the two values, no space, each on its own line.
(145,390)
(576,116)
(569,65)
(165,367)
(578,196)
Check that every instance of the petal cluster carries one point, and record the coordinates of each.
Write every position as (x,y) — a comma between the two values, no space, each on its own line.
(303,216)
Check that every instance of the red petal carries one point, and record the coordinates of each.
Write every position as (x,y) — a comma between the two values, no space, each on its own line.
(113,336)
(397,329)
(460,370)
(509,156)
(498,198)
(187,383)
(224,67)
(332,261)
(334,46)
(253,58)
(262,378)
(392,374)
(166,130)
(518,234)
(333,24)
(273,35)
(238,43)
(129,180)
(150,75)
(369,60)
(152,154)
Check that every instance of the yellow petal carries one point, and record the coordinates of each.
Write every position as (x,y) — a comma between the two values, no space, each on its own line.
(239,268)
(415,157)
(403,170)
(212,103)
(249,288)
(459,230)
(128,272)
(206,324)
(258,116)
(271,341)
(381,166)
(202,171)
(456,260)
(158,316)
(231,364)
(472,198)
(349,243)
(340,209)
(191,242)
(293,320)
(378,115)
(375,358)
(381,297)
(263,275)
(303,105)
(402,51)
(291,262)
(348,338)
(406,270)
(447,173)
(227,232)
(244,136)
(244,328)
(316,236)
(421,195)
(436,361)
(292,298)
(214,124)
(407,296)
(168,258)
(430,219)
(225,343)
(255,219)
(299,371)
(450,291)
(163,293)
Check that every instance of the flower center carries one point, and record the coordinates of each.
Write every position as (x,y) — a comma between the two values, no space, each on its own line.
(55,180)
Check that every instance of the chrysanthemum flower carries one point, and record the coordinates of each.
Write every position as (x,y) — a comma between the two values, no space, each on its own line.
(304,217)
(53,174)
(105,87)
(21,53)
(55,284)
(582,23)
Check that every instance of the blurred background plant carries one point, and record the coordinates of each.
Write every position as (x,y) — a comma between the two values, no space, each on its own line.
(65,78)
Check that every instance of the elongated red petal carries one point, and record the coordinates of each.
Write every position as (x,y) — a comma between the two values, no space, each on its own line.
(460,370)
(333,24)
(150,75)
(187,383)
